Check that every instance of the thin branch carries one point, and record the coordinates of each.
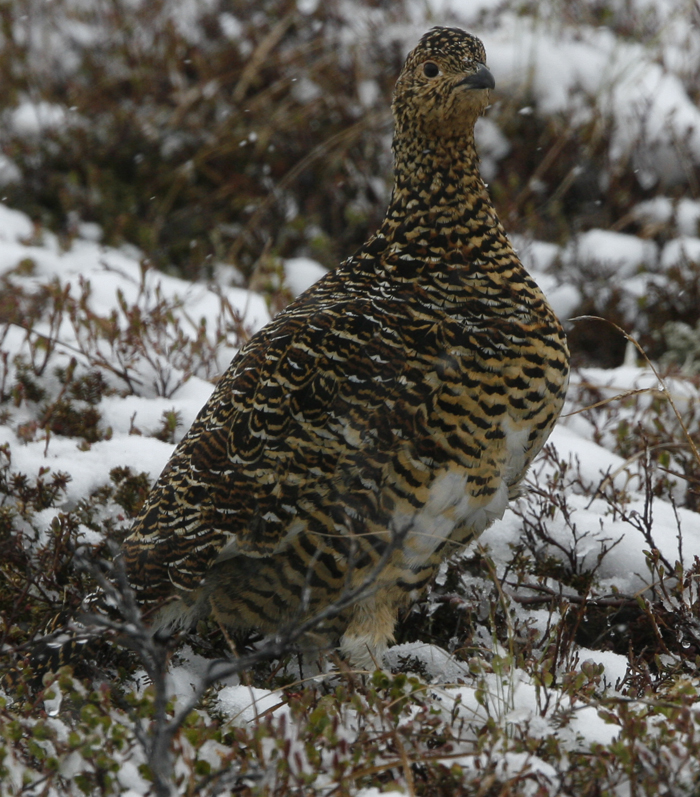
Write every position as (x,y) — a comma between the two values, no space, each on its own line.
(651,365)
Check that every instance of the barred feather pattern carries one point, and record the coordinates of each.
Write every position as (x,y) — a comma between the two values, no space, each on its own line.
(406,393)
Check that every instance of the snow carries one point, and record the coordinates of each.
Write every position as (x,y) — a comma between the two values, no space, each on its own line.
(522,704)
(111,280)
(9,172)
(243,704)
(616,253)
(368,92)
(688,217)
(33,119)
(658,210)
(536,256)
(564,298)
(14,226)
(561,66)
(680,250)
(130,779)
(614,665)
(436,662)
(230,26)
(300,273)
(373,791)
(88,469)
(588,527)
(492,144)
(540,258)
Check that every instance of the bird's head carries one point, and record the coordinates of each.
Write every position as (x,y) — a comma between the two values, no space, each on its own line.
(444,84)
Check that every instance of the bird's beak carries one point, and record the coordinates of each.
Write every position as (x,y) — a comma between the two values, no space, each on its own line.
(481,79)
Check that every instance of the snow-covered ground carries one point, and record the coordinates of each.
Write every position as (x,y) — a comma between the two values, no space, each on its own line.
(116,280)
(517,699)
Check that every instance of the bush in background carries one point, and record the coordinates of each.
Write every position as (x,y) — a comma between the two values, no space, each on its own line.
(229,131)
(238,132)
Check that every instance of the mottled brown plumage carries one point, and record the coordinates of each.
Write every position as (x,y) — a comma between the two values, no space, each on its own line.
(405,393)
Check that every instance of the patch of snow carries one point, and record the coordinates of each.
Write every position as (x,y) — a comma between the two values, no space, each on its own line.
(680,250)
(9,172)
(688,217)
(436,662)
(227,275)
(492,146)
(231,26)
(658,210)
(88,470)
(307,6)
(563,66)
(35,118)
(304,90)
(617,253)
(52,705)
(467,11)
(14,226)
(624,565)
(243,704)
(518,702)
(73,764)
(563,297)
(301,273)
(131,780)
(90,231)
(535,255)
(615,665)
(368,92)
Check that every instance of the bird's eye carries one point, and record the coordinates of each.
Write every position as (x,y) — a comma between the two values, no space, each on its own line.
(431,69)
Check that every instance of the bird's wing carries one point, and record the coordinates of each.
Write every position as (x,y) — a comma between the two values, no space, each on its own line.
(301,427)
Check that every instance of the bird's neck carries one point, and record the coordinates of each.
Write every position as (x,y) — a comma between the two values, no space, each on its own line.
(439,197)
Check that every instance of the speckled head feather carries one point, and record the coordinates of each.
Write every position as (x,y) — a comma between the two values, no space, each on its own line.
(402,397)
(443,85)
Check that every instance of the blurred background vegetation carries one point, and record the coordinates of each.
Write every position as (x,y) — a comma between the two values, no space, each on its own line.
(241,133)
(250,131)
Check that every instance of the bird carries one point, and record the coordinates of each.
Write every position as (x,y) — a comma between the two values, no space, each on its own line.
(382,420)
